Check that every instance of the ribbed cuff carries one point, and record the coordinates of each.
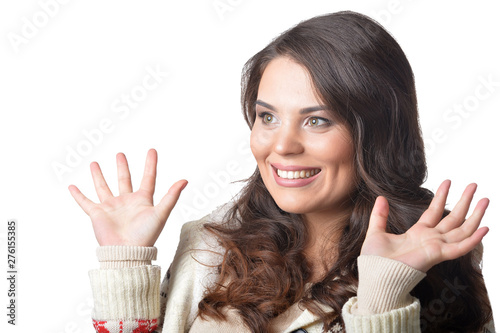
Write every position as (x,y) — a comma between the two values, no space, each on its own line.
(406,319)
(126,294)
(120,256)
(384,284)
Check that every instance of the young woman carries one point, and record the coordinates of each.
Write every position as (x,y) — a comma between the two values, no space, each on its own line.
(332,233)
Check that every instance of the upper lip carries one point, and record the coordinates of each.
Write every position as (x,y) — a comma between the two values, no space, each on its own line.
(291,167)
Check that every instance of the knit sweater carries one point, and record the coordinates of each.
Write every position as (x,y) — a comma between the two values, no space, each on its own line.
(128,295)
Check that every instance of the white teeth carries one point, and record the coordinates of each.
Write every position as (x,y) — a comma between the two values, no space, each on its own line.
(297,174)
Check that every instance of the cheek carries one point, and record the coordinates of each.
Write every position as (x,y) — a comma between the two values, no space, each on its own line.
(260,143)
(346,167)
(339,154)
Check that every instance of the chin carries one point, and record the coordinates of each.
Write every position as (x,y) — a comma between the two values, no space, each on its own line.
(293,207)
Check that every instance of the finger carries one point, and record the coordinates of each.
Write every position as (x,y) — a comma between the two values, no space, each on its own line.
(457,215)
(434,213)
(378,217)
(85,203)
(124,181)
(101,187)
(470,225)
(453,251)
(149,177)
(168,202)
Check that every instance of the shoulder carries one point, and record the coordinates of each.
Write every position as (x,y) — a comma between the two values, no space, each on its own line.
(194,232)
(193,270)
(197,242)
(217,216)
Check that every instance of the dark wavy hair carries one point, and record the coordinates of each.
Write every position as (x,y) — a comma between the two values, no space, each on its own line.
(361,73)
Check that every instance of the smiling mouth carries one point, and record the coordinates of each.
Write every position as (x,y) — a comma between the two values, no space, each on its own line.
(298,174)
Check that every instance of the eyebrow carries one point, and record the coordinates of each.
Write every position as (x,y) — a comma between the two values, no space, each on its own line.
(301,111)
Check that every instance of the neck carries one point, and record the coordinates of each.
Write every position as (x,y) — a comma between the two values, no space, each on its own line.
(324,233)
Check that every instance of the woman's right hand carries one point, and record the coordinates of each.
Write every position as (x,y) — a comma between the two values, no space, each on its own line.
(129,218)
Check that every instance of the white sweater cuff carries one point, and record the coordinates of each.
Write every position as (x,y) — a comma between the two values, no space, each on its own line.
(126,294)
(406,319)
(384,284)
(120,256)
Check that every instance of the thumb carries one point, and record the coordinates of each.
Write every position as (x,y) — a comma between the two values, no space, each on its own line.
(168,202)
(378,217)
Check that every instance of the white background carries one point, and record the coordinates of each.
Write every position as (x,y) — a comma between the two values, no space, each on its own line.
(68,74)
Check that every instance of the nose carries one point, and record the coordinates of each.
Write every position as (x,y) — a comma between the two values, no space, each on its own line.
(288,141)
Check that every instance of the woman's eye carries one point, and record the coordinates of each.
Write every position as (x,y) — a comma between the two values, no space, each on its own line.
(267,118)
(317,121)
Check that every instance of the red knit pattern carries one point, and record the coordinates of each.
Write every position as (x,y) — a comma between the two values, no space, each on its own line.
(99,326)
(138,326)
(146,326)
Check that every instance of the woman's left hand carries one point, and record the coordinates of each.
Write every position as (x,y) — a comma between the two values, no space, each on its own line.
(432,239)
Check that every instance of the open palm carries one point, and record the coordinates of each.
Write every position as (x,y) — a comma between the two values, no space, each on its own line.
(432,239)
(131,217)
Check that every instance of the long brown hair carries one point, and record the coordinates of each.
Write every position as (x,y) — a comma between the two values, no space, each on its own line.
(362,74)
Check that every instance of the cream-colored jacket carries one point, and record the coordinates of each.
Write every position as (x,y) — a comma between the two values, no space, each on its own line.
(130,297)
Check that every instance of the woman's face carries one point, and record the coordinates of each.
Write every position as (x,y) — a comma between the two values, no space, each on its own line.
(304,157)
